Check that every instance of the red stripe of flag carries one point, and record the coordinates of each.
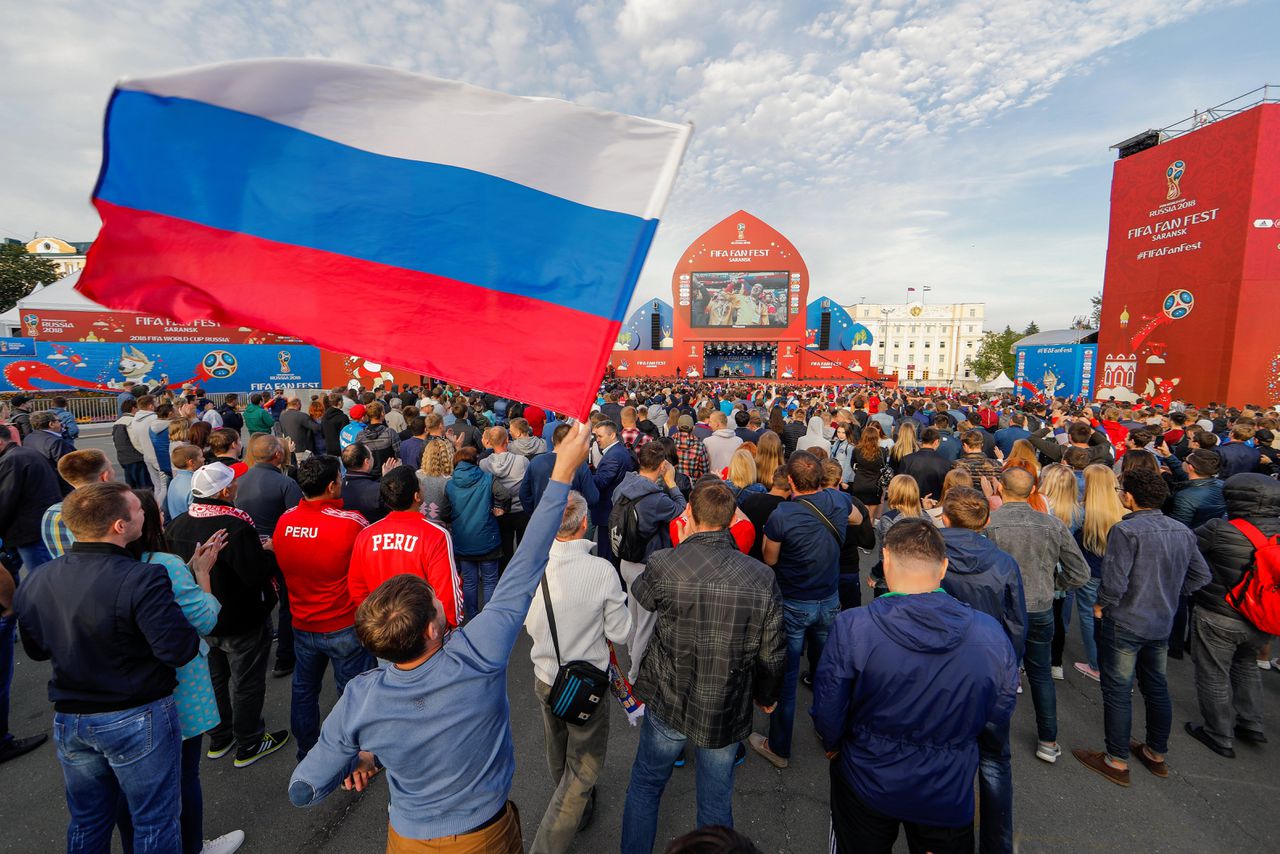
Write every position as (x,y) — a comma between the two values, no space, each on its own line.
(534,350)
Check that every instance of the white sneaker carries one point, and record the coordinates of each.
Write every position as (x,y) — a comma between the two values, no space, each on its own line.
(1048,752)
(1264,664)
(224,844)
(1057,673)
(1275,663)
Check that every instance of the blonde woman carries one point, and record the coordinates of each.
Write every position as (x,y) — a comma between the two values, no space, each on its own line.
(178,432)
(742,475)
(903,500)
(1062,495)
(437,468)
(1023,454)
(955,478)
(768,458)
(1102,510)
(907,442)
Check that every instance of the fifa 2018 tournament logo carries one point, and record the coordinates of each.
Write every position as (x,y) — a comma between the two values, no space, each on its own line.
(1173,175)
(742,230)
(32,323)
(284,357)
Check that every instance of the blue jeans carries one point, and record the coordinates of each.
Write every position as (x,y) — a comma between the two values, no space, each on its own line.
(134,753)
(1121,655)
(474,573)
(995,791)
(7,625)
(192,818)
(34,554)
(315,650)
(1085,598)
(660,745)
(1037,662)
(799,619)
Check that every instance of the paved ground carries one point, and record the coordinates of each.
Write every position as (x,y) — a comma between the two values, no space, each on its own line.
(1207,805)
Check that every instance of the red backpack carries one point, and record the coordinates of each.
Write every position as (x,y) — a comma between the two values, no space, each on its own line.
(1257,595)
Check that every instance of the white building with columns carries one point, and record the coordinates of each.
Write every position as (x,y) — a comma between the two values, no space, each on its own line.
(925,344)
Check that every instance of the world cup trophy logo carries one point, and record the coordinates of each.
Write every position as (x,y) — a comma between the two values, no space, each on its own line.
(1174,176)
(32,322)
(284,358)
(742,230)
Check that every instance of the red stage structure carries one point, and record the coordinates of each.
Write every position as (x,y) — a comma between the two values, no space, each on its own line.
(1192,287)
(740,292)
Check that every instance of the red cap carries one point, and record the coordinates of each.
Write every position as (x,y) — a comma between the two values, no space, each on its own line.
(357,412)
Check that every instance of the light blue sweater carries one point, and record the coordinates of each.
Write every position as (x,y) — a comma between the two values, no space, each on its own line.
(443,729)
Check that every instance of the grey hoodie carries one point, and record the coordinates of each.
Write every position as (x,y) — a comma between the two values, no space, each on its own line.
(720,446)
(508,469)
(527,446)
(814,437)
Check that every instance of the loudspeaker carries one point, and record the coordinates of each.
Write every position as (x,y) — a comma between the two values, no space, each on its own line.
(824,332)
(655,331)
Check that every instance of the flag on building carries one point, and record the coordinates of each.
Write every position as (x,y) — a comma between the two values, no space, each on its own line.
(465,234)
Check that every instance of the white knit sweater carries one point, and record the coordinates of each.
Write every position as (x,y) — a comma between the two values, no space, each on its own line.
(589,604)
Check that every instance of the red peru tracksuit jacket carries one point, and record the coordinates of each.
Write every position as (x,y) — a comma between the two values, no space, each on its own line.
(405,542)
(313,543)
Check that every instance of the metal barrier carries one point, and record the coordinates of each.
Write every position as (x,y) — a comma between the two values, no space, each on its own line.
(101,409)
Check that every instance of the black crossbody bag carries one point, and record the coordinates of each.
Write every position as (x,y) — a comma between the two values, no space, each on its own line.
(580,686)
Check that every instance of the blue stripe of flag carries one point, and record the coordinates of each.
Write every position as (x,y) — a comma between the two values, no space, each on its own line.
(238,172)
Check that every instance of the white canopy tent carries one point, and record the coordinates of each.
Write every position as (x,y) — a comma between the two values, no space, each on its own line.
(1000,383)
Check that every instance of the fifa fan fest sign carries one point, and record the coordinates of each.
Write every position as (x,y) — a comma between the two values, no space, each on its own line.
(1046,372)
(1192,285)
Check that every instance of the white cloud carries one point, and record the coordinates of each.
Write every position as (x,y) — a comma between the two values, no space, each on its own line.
(869,131)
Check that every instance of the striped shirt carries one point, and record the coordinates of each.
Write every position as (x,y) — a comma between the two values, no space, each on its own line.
(55,533)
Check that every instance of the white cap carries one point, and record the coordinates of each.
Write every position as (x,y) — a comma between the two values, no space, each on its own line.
(209,480)
(1205,424)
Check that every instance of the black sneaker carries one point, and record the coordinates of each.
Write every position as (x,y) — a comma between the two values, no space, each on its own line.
(806,679)
(271,742)
(21,746)
(217,751)
(281,670)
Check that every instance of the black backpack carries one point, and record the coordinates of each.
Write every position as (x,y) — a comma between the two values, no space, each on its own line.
(625,537)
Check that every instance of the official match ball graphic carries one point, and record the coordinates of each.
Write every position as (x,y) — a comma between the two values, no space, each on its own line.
(1178,304)
(219,364)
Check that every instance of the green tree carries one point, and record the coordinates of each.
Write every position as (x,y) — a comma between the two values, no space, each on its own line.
(1095,313)
(1032,329)
(995,354)
(20,272)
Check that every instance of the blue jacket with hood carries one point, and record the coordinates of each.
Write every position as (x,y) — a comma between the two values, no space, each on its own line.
(983,577)
(655,507)
(905,686)
(475,528)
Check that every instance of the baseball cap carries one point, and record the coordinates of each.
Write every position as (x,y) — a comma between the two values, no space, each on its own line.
(209,480)
(357,412)
(685,422)
(19,399)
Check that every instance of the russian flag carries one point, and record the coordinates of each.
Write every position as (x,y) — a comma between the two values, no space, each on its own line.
(465,234)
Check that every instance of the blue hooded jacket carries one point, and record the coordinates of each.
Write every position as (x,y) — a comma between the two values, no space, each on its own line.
(656,507)
(905,686)
(475,528)
(987,579)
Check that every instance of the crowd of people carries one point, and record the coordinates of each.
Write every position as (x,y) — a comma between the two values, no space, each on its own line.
(905,559)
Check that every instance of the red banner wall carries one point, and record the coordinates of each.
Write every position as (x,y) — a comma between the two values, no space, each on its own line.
(1193,264)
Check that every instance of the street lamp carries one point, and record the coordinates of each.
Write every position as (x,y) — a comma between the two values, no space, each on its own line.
(884,336)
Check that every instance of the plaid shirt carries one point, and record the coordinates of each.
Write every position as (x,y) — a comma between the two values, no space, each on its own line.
(691,455)
(55,533)
(718,643)
(979,466)
(632,438)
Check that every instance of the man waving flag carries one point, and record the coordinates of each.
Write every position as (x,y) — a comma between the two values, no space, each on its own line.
(483,238)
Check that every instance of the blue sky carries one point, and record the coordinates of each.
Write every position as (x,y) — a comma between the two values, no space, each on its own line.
(960,145)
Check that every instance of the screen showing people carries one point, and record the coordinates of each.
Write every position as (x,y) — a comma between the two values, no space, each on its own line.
(739,299)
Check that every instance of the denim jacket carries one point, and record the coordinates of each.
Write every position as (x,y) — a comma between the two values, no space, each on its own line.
(1151,560)
(1044,549)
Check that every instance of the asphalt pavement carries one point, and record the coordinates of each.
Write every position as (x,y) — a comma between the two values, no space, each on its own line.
(1207,804)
